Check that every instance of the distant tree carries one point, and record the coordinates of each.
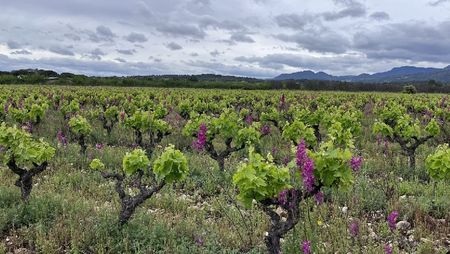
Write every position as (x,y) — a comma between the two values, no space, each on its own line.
(409,89)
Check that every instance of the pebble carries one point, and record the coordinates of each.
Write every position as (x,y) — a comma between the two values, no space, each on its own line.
(403,226)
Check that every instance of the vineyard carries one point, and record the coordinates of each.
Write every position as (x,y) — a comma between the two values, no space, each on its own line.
(154,170)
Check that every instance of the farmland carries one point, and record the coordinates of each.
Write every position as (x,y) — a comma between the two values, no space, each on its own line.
(154,170)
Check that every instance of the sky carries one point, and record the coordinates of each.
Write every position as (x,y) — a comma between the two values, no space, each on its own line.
(255,38)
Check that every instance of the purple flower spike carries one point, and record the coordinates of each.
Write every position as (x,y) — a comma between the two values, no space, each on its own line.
(301,153)
(308,175)
(392,220)
(249,119)
(388,249)
(200,142)
(354,228)
(61,138)
(306,165)
(306,247)
(355,163)
(265,130)
(319,198)
(282,197)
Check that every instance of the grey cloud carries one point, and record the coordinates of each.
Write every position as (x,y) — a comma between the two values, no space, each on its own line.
(121,60)
(209,22)
(416,41)
(193,54)
(136,37)
(354,10)
(13,45)
(228,69)
(174,46)
(97,54)
(228,42)
(241,37)
(126,51)
(72,37)
(101,34)
(215,53)
(342,64)
(294,21)
(65,51)
(380,15)
(438,2)
(21,52)
(318,41)
(181,30)
(105,32)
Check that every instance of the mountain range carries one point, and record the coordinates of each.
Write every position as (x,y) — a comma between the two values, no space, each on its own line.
(398,74)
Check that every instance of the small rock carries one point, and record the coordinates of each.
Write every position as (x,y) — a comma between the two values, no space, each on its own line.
(344,209)
(403,197)
(403,226)
(22,251)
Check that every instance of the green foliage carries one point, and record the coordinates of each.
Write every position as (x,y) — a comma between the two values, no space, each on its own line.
(338,136)
(260,179)
(171,165)
(37,112)
(438,163)
(71,108)
(331,165)
(80,126)
(383,129)
(145,120)
(34,113)
(248,136)
(112,113)
(227,124)
(433,128)
(192,126)
(298,130)
(97,164)
(134,161)
(20,146)
(405,126)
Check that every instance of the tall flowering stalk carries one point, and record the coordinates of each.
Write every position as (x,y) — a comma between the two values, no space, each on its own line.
(319,197)
(249,119)
(6,108)
(305,164)
(392,220)
(282,197)
(61,138)
(388,249)
(354,228)
(306,247)
(200,142)
(265,130)
(356,162)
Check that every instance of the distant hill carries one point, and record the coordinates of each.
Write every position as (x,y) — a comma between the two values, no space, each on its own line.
(398,74)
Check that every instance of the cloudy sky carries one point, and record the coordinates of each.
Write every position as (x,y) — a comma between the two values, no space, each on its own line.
(258,38)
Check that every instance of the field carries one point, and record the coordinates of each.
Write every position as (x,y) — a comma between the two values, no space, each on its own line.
(248,172)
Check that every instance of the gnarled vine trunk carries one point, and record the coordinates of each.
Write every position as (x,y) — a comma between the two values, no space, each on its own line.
(129,203)
(25,181)
(279,228)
